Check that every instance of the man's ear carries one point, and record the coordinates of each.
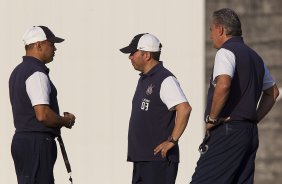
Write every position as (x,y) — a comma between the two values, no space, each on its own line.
(148,56)
(221,30)
(37,45)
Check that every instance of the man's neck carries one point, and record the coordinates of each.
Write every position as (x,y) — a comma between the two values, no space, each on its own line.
(223,40)
(34,55)
(151,64)
(227,37)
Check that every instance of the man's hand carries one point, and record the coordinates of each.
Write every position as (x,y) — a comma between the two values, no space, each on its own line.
(209,126)
(163,148)
(71,118)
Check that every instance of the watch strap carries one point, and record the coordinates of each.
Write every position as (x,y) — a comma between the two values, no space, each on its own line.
(170,139)
(210,120)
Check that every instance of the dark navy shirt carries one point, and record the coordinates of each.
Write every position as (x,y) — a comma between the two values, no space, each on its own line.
(23,111)
(246,85)
(151,122)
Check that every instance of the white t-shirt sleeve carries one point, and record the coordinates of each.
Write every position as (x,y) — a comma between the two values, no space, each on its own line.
(38,88)
(267,79)
(171,93)
(224,63)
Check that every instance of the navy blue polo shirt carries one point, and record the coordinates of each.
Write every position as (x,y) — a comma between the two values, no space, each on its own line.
(246,85)
(151,122)
(23,111)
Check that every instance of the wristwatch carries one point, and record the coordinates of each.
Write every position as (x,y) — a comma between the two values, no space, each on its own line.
(170,139)
(210,120)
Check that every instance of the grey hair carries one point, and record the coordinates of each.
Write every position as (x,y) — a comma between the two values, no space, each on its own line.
(229,20)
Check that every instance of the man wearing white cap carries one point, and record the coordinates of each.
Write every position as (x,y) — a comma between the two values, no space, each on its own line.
(35,109)
(160,113)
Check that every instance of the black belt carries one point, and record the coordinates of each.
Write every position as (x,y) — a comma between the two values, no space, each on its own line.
(65,156)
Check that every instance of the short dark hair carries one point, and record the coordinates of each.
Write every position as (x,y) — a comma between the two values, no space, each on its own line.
(27,47)
(156,55)
(229,20)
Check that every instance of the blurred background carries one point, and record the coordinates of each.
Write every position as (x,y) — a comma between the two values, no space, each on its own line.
(262,26)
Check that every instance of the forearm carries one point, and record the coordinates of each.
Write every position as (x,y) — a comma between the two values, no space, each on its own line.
(220,95)
(266,102)
(49,118)
(219,99)
(183,111)
(54,120)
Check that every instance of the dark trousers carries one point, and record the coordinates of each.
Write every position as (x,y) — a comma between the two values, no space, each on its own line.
(158,172)
(230,158)
(34,156)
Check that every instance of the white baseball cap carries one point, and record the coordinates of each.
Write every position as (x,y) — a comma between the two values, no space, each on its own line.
(40,33)
(145,42)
